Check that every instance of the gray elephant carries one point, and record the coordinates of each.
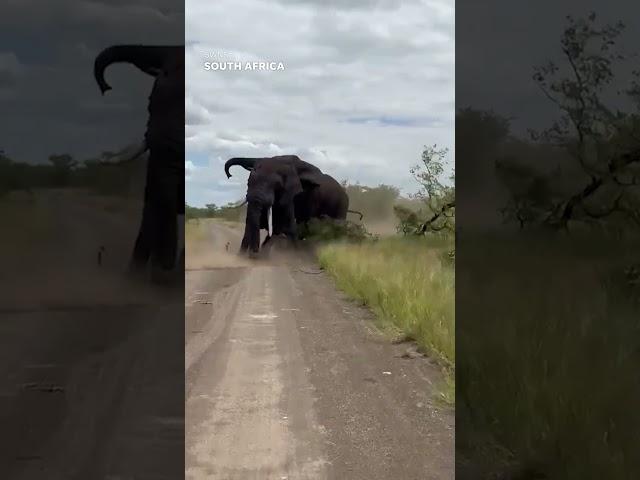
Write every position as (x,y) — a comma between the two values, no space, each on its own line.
(157,239)
(320,196)
(273,184)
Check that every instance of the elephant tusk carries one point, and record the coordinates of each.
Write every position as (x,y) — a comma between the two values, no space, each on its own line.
(142,147)
(270,226)
(239,205)
(138,152)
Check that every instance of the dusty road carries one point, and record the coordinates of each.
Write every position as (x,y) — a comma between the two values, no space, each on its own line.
(286,379)
(89,362)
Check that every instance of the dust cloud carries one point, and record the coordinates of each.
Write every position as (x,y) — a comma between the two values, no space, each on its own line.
(69,249)
(213,244)
(384,227)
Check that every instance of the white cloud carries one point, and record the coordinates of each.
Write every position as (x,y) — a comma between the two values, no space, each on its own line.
(365,87)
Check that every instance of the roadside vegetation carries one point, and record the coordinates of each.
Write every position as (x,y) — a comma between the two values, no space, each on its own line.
(111,174)
(407,279)
(409,287)
(548,338)
(231,212)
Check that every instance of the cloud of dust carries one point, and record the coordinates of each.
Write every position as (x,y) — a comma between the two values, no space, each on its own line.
(205,256)
(383,228)
(56,263)
(212,244)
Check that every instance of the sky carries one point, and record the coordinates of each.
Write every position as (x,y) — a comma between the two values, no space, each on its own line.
(363,89)
(49,100)
(499,42)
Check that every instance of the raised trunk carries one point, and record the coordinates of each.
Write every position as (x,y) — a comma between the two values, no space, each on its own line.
(149,59)
(246,163)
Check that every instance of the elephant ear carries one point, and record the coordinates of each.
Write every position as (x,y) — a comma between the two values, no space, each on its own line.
(292,187)
(310,179)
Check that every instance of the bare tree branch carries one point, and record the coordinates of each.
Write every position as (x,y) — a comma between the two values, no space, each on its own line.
(442,212)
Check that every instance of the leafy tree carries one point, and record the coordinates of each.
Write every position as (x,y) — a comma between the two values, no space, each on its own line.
(602,142)
(437,198)
(63,166)
(530,192)
(231,211)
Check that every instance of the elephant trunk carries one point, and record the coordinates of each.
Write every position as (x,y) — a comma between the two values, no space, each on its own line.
(356,212)
(149,59)
(252,227)
(240,205)
(246,163)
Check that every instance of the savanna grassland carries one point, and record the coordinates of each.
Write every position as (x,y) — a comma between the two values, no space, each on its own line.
(548,337)
(546,378)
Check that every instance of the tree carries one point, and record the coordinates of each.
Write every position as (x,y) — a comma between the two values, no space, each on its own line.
(438,199)
(212,209)
(530,193)
(604,143)
(63,166)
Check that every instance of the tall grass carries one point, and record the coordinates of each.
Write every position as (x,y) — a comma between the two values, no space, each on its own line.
(548,344)
(406,282)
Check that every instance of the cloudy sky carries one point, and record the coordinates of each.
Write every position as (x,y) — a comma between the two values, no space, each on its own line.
(500,41)
(364,88)
(498,44)
(49,100)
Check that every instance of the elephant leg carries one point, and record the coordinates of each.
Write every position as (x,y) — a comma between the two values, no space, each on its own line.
(163,186)
(165,239)
(181,212)
(289,226)
(142,248)
(303,229)
(244,245)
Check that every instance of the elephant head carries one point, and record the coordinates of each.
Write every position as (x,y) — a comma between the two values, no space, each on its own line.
(273,184)
(150,59)
(249,163)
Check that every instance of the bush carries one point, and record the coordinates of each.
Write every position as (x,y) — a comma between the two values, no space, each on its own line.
(325,230)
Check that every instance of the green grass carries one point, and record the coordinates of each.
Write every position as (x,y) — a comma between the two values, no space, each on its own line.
(547,374)
(409,284)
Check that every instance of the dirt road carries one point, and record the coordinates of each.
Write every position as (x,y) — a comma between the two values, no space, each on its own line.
(286,379)
(89,362)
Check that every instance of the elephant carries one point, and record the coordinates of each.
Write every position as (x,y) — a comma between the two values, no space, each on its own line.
(272,187)
(157,240)
(325,198)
